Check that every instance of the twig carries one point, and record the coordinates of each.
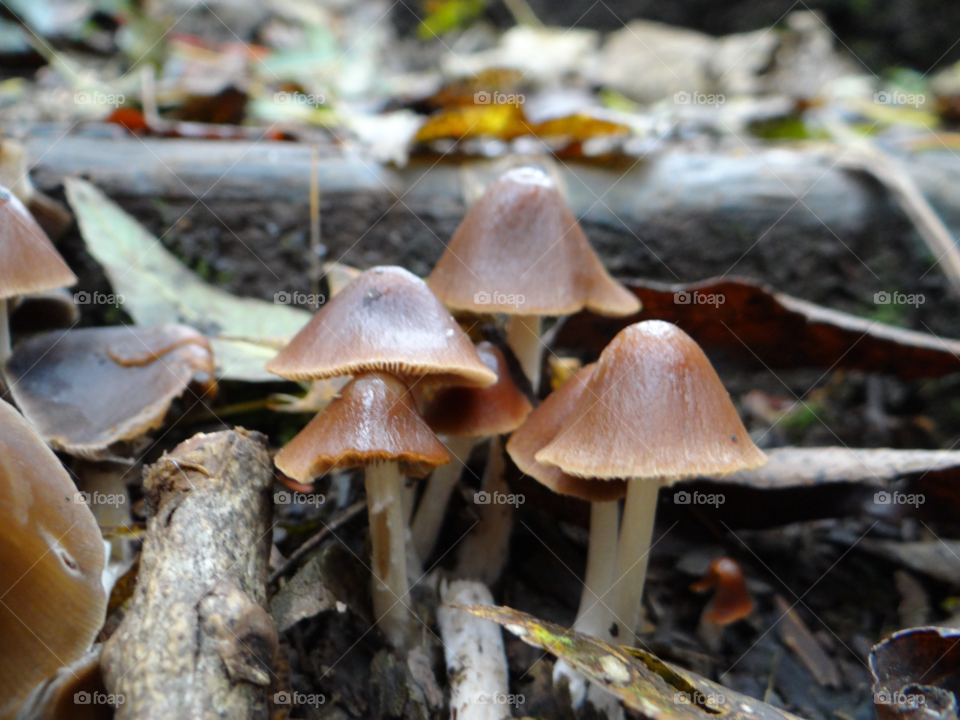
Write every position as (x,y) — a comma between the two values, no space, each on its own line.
(347,515)
(316,267)
(865,156)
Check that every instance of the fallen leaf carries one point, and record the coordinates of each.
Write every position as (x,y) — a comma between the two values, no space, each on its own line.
(303,596)
(758,327)
(655,689)
(157,288)
(462,122)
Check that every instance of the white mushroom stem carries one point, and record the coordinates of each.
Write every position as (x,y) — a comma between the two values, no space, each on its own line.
(633,552)
(387,535)
(476,661)
(523,337)
(594,618)
(433,505)
(483,553)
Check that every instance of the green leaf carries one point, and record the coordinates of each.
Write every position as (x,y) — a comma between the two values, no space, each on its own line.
(157,288)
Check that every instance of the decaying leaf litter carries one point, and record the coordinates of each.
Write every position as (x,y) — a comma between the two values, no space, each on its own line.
(764,191)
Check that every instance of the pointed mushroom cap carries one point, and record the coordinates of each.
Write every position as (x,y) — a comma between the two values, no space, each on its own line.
(386,320)
(520,239)
(541,427)
(51,561)
(480,412)
(373,419)
(31,263)
(655,409)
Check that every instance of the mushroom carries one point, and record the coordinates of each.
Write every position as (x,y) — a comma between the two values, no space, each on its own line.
(30,262)
(540,428)
(464,417)
(52,601)
(74,692)
(653,412)
(731,601)
(373,424)
(386,322)
(86,391)
(520,251)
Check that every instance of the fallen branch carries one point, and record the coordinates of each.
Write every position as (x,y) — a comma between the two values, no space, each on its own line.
(197,641)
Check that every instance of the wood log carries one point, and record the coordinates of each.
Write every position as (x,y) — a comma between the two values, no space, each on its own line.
(197,641)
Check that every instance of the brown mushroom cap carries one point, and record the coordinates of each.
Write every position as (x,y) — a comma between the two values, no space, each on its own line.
(373,419)
(480,412)
(51,561)
(541,427)
(386,320)
(731,601)
(30,262)
(655,409)
(85,390)
(520,238)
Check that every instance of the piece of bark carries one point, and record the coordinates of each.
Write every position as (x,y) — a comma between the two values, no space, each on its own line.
(197,641)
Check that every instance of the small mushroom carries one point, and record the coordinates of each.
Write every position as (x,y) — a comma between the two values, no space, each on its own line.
(520,251)
(31,264)
(373,424)
(730,601)
(52,601)
(463,417)
(88,390)
(653,412)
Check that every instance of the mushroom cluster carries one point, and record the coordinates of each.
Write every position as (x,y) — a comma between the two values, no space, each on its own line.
(649,412)
(389,332)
